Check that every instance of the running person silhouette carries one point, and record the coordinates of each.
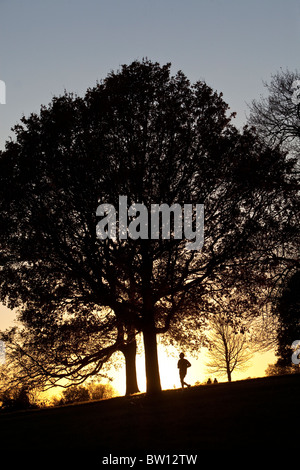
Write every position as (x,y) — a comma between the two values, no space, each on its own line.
(182,365)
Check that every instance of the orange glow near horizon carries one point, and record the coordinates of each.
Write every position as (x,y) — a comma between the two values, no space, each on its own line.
(169,375)
(197,373)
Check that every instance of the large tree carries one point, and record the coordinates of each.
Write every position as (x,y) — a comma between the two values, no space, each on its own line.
(155,139)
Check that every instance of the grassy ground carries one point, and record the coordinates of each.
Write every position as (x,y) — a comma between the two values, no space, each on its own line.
(252,414)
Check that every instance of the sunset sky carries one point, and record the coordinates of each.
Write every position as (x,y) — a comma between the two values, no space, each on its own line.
(196,373)
(47,47)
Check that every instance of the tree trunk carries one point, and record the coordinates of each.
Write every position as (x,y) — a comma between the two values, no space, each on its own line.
(151,360)
(149,332)
(129,352)
(228,372)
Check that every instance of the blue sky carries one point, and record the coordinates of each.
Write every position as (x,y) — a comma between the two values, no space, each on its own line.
(49,46)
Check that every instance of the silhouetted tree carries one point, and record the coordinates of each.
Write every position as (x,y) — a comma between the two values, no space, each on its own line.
(280,369)
(239,326)
(277,120)
(98,391)
(229,349)
(276,116)
(15,399)
(81,393)
(154,138)
(75,394)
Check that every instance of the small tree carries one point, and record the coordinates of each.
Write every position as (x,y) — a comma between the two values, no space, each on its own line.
(16,399)
(91,391)
(278,369)
(229,350)
(239,326)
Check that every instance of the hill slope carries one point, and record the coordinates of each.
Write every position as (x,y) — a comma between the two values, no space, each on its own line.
(252,414)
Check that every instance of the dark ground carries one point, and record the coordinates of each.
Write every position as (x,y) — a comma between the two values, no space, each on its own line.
(250,414)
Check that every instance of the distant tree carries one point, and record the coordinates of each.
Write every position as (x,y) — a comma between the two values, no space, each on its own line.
(77,393)
(154,138)
(91,391)
(279,369)
(98,391)
(239,326)
(229,349)
(16,399)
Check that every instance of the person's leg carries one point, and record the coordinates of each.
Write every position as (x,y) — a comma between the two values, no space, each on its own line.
(182,380)
(182,377)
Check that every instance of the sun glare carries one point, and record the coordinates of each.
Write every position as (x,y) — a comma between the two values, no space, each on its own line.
(197,373)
